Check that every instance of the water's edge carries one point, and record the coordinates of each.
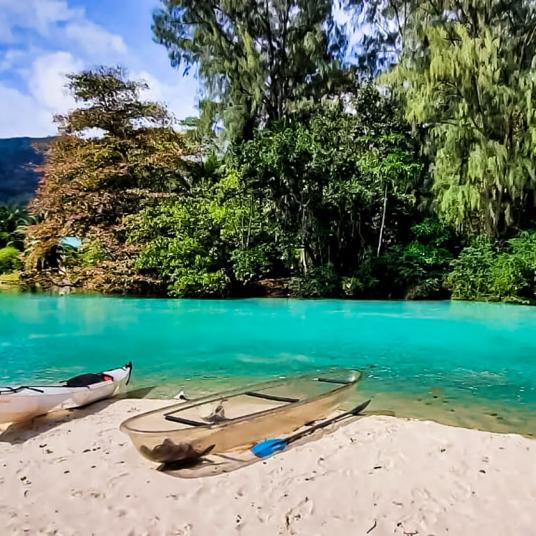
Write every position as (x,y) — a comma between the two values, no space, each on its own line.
(471,412)
(459,363)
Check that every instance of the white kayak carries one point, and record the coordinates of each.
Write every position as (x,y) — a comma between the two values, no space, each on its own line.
(24,402)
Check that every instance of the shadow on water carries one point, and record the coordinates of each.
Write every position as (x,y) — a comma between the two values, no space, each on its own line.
(19,433)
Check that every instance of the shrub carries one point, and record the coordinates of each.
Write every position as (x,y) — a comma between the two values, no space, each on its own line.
(316,283)
(92,253)
(194,283)
(471,271)
(364,282)
(487,271)
(9,260)
(251,264)
(416,270)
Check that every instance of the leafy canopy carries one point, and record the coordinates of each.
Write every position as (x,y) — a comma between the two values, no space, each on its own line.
(467,74)
(324,174)
(13,222)
(486,270)
(255,58)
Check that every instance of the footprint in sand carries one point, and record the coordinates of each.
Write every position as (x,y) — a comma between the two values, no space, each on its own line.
(114,479)
(185,530)
(303,509)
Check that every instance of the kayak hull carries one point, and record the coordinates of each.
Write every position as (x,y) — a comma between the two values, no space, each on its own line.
(189,442)
(24,403)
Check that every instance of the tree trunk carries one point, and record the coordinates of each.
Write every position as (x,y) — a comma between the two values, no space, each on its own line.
(250,220)
(383,222)
(303,260)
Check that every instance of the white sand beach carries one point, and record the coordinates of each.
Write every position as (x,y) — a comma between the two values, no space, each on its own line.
(77,474)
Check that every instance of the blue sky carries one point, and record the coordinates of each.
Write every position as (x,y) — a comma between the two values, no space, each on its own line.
(42,40)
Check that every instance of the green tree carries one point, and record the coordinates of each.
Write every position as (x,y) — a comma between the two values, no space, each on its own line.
(467,74)
(488,270)
(13,221)
(9,259)
(416,269)
(254,57)
(337,180)
(209,242)
(181,246)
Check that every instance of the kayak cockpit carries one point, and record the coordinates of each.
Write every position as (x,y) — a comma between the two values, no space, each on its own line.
(27,401)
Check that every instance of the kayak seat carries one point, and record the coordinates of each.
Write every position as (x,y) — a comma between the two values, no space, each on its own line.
(85,380)
(267,396)
(182,420)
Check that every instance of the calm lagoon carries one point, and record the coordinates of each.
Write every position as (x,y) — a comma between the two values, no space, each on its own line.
(460,363)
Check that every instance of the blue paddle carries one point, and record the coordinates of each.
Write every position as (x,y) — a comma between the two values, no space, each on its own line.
(267,447)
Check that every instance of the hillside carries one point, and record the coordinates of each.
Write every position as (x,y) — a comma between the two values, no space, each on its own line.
(20,159)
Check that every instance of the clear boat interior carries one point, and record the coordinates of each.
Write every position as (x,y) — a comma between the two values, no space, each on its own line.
(235,404)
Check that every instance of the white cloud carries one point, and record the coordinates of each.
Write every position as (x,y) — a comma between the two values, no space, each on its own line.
(37,15)
(48,78)
(54,19)
(22,115)
(10,58)
(179,98)
(31,113)
(46,39)
(93,39)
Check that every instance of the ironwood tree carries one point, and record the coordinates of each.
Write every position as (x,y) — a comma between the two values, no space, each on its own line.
(257,58)
(466,74)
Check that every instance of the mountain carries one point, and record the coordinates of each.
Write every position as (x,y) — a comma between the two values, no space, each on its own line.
(20,162)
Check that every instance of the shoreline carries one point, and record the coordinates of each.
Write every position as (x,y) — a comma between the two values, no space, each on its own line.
(76,473)
(424,405)
(12,284)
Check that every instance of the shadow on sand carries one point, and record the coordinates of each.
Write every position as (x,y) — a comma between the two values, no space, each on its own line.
(217,464)
(19,433)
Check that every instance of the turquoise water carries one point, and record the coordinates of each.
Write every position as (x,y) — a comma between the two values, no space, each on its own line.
(465,351)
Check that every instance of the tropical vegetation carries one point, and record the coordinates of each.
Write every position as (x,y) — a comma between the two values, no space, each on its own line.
(13,222)
(379,149)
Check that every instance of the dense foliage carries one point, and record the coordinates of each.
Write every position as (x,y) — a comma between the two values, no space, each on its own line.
(308,198)
(488,271)
(467,73)
(13,222)
(207,243)
(9,260)
(332,177)
(393,159)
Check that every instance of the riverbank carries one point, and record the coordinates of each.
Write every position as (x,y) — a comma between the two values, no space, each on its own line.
(10,282)
(78,474)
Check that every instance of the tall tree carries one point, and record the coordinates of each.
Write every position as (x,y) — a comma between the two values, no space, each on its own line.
(338,179)
(255,57)
(467,74)
(115,152)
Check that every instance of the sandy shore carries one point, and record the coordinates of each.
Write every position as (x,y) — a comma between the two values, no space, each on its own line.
(78,474)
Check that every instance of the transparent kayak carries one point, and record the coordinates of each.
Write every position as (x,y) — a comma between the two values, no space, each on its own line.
(237,418)
(28,401)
